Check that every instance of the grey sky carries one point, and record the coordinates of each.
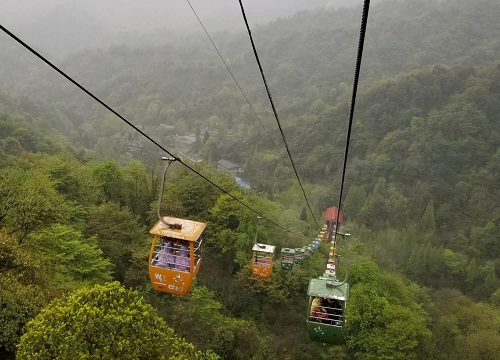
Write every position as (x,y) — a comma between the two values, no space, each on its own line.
(63,26)
(154,13)
(117,14)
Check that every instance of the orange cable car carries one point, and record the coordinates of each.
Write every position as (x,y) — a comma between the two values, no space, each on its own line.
(175,256)
(262,260)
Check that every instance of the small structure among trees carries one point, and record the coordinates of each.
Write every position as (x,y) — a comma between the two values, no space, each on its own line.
(331,214)
(229,167)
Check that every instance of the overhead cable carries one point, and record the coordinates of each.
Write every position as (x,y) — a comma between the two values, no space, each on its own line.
(136,128)
(276,114)
(364,21)
(237,84)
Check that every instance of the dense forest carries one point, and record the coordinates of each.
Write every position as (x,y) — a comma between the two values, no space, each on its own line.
(78,189)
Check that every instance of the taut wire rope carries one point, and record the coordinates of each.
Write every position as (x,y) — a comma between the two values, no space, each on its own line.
(362,33)
(276,114)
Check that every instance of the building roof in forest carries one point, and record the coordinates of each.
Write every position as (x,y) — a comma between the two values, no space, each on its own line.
(331,213)
(229,165)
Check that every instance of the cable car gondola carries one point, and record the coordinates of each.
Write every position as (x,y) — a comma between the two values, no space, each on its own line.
(327,304)
(315,244)
(287,258)
(175,255)
(262,260)
(299,256)
(328,298)
(307,251)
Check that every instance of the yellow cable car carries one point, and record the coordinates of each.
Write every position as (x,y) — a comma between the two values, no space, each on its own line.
(262,260)
(175,256)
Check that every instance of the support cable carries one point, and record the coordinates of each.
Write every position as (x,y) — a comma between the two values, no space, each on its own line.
(41,57)
(362,33)
(276,114)
(237,84)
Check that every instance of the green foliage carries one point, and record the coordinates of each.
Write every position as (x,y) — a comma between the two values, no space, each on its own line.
(137,275)
(106,321)
(14,259)
(485,238)
(384,320)
(462,327)
(70,260)
(19,302)
(139,191)
(373,211)
(455,263)
(26,138)
(195,193)
(355,200)
(29,201)
(110,179)
(495,298)
(471,272)
(118,235)
(284,286)
(230,229)
(428,224)
(229,337)
(21,292)
(12,146)
(71,178)
(363,272)
(416,266)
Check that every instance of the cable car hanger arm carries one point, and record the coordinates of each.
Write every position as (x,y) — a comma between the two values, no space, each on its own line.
(169,160)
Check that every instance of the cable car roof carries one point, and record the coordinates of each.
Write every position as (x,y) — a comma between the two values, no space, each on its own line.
(328,289)
(190,230)
(264,248)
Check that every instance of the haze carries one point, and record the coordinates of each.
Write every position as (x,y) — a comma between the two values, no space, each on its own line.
(62,26)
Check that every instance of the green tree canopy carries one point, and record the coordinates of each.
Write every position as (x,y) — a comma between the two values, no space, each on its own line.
(21,292)
(111,179)
(29,201)
(428,224)
(118,233)
(385,319)
(68,258)
(103,322)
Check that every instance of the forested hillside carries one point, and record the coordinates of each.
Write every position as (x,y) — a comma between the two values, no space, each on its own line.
(78,188)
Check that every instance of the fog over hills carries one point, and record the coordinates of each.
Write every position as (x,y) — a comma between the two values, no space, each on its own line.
(60,27)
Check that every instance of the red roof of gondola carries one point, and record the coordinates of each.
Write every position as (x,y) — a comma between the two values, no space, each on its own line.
(331,213)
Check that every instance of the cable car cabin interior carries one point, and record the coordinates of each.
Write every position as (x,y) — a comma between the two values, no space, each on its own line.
(262,260)
(175,256)
(327,304)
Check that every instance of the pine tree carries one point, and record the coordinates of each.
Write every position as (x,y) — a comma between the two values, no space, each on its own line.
(428,223)
(471,273)
(417,262)
(303,214)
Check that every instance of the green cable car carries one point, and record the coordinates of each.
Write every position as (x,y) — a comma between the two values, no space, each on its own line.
(327,305)
(287,258)
(299,256)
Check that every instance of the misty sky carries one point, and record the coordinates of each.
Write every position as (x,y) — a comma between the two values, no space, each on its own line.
(149,14)
(63,26)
